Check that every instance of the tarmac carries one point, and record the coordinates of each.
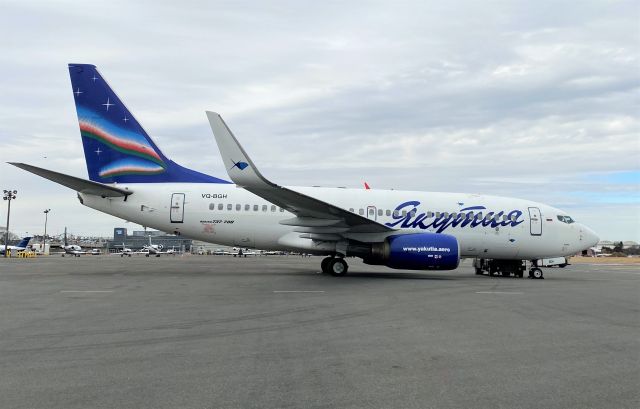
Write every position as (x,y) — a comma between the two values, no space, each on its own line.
(272,332)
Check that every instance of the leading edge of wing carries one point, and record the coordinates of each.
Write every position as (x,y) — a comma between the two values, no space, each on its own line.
(75,183)
(244,173)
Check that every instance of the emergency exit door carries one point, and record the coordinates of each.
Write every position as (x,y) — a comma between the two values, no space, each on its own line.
(371,213)
(177,208)
(535,218)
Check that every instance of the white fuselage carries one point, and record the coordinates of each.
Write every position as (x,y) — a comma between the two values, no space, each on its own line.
(489,227)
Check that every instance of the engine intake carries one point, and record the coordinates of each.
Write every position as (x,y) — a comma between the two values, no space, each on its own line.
(419,251)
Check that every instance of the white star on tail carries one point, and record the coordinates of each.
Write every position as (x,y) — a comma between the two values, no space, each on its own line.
(107,104)
(78,92)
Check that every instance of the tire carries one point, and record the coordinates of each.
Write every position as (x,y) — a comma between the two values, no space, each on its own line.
(505,274)
(324,265)
(537,273)
(338,267)
(478,271)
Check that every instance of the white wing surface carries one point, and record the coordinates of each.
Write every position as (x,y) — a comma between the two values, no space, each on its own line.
(310,212)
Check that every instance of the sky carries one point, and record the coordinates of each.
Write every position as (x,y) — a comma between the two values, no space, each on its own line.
(535,100)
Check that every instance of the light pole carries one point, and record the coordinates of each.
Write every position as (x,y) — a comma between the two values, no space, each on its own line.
(8,195)
(44,238)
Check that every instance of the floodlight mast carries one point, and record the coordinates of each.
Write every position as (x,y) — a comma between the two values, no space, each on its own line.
(44,237)
(8,195)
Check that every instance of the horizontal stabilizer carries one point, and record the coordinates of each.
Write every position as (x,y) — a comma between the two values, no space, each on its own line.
(77,184)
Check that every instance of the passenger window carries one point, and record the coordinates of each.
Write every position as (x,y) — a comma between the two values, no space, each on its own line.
(438,214)
(281,209)
(229,206)
(238,207)
(504,218)
(220,206)
(396,213)
(404,213)
(361,212)
(413,213)
(247,207)
(264,208)
(446,215)
(273,208)
(351,209)
(380,212)
(388,212)
(371,211)
(255,208)
(513,218)
(212,206)
(453,215)
(470,215)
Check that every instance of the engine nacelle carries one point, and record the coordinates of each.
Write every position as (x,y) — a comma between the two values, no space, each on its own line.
(419,251)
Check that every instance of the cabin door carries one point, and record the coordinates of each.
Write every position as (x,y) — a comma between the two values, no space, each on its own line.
(535,219)
(177,208)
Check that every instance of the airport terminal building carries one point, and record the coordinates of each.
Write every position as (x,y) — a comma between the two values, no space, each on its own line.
(140,238)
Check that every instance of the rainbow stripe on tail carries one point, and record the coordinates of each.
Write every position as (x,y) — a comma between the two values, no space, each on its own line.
(116,147)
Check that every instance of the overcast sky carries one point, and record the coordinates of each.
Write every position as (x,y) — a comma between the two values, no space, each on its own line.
(537,100)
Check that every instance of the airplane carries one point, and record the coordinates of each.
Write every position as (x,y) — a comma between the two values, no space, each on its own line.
(126,251)
(19,247)
(130,178)
(153,249)
(71,249)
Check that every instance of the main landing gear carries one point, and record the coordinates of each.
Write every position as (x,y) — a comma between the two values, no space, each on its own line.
(335,266)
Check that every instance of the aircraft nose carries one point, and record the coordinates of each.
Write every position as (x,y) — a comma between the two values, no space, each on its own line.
(589,236)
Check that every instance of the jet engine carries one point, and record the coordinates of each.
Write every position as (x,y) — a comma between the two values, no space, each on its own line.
(419,251)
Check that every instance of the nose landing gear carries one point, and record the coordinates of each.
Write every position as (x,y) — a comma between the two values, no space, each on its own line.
(536,273)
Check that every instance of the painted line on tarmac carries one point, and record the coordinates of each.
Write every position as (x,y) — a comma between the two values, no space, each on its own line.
(298,291)
(86,291)
(499,292)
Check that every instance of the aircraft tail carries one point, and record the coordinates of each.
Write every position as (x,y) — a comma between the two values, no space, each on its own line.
(24,242)
(116,147)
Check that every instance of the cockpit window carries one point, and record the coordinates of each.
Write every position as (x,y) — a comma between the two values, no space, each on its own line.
(566,219)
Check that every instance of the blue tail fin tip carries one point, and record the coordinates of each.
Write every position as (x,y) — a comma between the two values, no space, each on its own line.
(116,146)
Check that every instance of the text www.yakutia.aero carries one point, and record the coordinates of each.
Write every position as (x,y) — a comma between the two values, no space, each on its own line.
(424,248)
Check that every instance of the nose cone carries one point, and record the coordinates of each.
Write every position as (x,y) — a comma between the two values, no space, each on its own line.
(589,237)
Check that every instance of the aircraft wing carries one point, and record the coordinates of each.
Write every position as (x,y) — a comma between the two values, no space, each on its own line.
(77,184)
(310,212)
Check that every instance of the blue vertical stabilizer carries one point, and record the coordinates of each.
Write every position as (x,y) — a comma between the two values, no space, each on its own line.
(116,147)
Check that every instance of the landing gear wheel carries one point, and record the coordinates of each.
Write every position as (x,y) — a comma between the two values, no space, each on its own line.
(536,273)
(478,271)
(338,267)
(324,265)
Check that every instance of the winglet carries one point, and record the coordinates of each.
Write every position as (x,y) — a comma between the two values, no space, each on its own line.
(239,165)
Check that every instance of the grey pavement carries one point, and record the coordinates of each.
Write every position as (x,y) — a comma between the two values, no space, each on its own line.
(271,332)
